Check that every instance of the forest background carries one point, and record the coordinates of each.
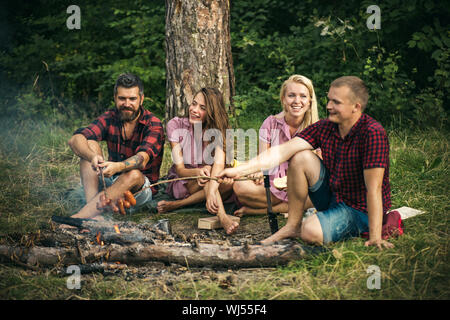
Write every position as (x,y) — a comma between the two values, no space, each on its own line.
(62,75)
(54,80)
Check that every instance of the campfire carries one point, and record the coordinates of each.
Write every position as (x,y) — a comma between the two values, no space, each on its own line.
(98,237)
(130,243)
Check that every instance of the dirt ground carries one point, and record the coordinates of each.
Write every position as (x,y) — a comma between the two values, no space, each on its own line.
(252,229)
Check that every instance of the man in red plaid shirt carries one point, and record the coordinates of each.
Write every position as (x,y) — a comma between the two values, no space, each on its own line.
(135,140)
(349,187)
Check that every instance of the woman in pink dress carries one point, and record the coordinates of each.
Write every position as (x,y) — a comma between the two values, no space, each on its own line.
(198,146)
(299,103)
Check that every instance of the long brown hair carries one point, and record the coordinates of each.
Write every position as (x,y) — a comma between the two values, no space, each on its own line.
(216,114)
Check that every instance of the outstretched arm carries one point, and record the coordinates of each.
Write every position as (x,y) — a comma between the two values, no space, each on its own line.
(268,159)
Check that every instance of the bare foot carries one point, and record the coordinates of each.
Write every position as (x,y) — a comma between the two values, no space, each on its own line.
(229,225)
(285,232)
(249,211)
(96,218)
(66,227)
(99,218)
(166,206)
(240,212)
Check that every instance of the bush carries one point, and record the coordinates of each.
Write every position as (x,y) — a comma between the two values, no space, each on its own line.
(405,63)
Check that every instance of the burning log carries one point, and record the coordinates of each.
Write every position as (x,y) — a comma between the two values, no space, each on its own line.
(112,232)
(135,244)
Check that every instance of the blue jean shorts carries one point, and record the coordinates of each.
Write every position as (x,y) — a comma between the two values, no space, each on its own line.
(338,220)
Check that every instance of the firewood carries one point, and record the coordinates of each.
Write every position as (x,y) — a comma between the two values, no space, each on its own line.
(137,244)
(118,232)
(204,254)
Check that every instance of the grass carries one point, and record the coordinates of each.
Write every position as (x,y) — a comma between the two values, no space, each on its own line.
(37,168)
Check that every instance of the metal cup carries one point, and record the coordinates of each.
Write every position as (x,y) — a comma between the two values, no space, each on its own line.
(164,225)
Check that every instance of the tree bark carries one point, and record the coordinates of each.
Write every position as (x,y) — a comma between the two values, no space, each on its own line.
(132,243)
(198,255)
(198,52)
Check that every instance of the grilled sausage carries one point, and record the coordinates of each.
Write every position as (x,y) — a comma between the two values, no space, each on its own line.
(130,198)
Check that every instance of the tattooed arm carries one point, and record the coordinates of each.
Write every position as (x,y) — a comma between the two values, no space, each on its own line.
(138,161)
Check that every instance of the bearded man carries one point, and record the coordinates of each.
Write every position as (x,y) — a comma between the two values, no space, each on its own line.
(135,142)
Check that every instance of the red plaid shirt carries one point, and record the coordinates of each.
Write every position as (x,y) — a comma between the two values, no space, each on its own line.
(148,136)
(365,146)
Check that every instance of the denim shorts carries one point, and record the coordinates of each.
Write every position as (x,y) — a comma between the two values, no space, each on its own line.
(142,197)
(338,220)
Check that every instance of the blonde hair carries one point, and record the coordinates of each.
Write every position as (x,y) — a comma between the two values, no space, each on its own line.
(312,115)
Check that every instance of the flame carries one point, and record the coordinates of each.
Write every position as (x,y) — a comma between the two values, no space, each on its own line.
(116,228)
(98,237)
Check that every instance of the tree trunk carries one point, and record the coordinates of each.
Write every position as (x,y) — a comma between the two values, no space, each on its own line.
(198,52)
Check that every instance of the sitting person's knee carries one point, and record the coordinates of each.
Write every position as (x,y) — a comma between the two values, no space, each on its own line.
(311,232)
(302,157)
(239,187)
(134,177)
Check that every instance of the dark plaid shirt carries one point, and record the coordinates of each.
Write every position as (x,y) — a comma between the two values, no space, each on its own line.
(148,136)
(365,146)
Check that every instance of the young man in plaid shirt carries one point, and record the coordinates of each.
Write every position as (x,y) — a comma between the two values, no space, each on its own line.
(135,140)
(350,187)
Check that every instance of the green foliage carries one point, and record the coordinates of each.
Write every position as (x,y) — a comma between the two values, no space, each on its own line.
(390,88)
(79,67)
(324,41)
(48,70)
(431,100)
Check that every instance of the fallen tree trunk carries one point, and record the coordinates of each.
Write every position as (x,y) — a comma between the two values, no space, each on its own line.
(197,255)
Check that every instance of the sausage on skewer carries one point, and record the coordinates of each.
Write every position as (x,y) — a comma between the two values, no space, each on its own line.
(130,198)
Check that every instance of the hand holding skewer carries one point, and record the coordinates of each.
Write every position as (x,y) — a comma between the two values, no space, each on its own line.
(125,202)
(129,199)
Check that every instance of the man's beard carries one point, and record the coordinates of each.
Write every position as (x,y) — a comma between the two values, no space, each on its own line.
(128,116)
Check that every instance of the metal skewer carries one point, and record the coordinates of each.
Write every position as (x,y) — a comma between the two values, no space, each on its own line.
(273,222)
(104,183)
(191,178)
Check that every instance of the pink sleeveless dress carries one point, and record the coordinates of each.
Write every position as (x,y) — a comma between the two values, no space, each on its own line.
(274,130)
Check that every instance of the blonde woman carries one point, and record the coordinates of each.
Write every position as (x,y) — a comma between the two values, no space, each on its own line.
(299,103)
